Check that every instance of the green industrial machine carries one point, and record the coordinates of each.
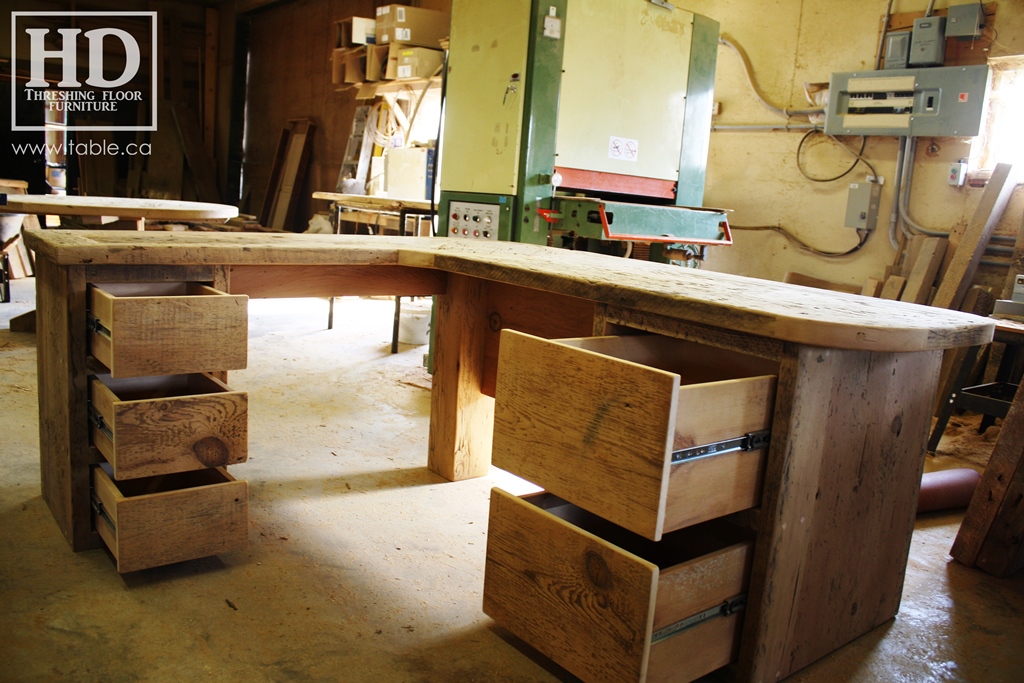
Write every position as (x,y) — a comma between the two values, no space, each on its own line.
(578,122)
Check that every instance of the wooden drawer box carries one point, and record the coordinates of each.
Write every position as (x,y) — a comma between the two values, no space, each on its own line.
(610,424)
(146,426)
(609,605)
(159,520)
(166,328)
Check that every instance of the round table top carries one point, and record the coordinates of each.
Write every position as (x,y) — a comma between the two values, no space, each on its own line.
(120,207)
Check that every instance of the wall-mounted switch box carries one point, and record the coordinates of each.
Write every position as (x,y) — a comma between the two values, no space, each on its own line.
(862,205)
(897,49)
(965,21)
(957,174)
(928,42)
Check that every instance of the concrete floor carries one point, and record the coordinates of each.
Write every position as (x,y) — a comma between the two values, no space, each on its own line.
(362,565)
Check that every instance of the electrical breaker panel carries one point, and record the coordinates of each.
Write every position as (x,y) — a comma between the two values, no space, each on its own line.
(940,101)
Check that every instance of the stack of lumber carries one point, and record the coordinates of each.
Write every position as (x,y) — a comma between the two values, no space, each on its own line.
(940,270)
(913,277)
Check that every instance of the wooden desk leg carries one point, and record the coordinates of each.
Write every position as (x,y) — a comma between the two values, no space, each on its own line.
(461,418)
(839,503)
(63,400)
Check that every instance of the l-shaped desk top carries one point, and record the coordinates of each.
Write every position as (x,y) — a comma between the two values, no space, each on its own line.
(759,307)
(853,401)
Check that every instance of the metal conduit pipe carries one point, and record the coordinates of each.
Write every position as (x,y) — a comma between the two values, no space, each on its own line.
(904,201)
(908,176)
(894,215)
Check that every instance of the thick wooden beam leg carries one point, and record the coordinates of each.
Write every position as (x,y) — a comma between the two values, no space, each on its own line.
(63,400)
(461,417)
(839,503)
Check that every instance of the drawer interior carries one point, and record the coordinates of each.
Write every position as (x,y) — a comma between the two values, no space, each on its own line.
(694,363)
(166,483)
(143,289)
(674,548)
(161,386)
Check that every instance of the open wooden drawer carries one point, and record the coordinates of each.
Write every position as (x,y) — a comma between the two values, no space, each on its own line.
(651,433)
(166,328)
(146,426)
(609,605)
(155,521)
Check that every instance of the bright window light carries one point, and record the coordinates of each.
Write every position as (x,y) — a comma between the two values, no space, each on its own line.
(1002,136)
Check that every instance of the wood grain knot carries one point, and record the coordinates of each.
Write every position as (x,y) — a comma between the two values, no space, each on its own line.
(211,451)
(494,322)
(897,425)
(597,570)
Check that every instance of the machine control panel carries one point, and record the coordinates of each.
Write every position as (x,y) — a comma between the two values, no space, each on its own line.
(471,220)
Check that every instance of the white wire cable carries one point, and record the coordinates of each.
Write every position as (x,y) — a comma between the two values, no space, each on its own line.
(748,69)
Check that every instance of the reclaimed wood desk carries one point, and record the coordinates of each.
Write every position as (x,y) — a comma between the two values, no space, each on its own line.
(856,385)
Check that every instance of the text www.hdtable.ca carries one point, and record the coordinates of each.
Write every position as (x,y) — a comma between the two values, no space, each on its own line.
(83,148)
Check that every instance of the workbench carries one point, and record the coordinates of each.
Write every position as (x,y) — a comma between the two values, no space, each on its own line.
(376,211)
(852,403)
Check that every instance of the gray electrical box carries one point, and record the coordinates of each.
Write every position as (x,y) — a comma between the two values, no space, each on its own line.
(965,21)
(897,49)
(862,205)
(928,42)
(940,101)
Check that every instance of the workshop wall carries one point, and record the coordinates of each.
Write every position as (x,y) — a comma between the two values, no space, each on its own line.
(290,77)
(754,174)
(791,42)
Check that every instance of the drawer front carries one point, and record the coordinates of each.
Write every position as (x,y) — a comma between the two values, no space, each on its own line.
(147,426)
(596,421)
(139,329)
(593,598)
(160,520)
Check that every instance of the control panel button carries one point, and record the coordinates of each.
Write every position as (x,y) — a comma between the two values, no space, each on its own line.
(474,220)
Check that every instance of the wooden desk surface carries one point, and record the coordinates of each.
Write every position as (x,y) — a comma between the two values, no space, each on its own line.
(121,207)
(759,307)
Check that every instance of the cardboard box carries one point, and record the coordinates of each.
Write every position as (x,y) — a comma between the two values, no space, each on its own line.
(355,31)
(406,61)
(347,65)
(411,25)
(376,61)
